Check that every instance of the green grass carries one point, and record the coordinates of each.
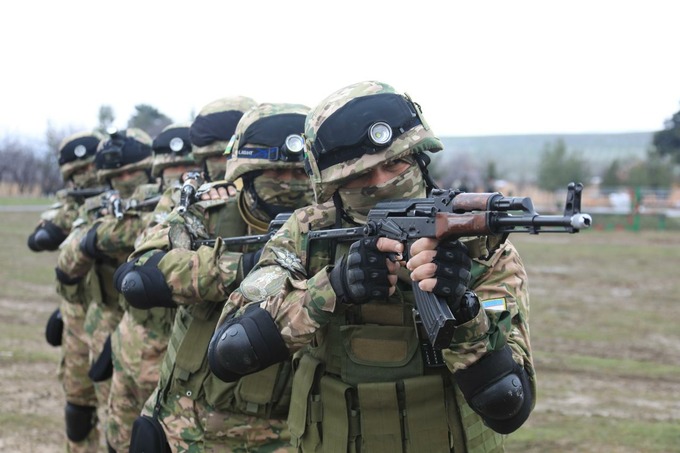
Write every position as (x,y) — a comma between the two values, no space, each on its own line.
(26,200)
(604,315)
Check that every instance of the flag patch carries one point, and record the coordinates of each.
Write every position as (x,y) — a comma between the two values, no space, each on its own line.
(494,304)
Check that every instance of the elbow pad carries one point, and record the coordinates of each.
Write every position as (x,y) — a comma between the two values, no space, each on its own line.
(88,244)
(245,345)
(47,236)
(64,279)
(144,286)
(497,389)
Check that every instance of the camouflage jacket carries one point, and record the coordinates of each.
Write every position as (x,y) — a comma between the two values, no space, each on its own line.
(115,238)
(207,274)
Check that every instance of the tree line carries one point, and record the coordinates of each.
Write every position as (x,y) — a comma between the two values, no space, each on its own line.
(29,166)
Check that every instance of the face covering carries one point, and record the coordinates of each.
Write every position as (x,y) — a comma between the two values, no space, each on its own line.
(289,195)
(127,187)
(84,179)
(358,201)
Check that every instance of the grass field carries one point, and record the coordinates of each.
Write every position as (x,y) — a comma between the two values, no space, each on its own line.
(604,315)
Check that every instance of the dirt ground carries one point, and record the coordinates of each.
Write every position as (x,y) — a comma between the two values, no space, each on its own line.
(589,373)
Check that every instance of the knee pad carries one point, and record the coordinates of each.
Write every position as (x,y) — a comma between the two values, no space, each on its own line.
(498,389)
(148,436)
(245,345)
(79,421)
(54,328)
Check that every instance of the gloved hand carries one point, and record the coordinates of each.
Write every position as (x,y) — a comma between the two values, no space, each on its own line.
(442,268)
(366,272)
(144,286)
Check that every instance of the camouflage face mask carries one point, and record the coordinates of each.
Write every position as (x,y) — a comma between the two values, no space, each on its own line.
(295,193)
(126,188)
(358,201)
(84,179)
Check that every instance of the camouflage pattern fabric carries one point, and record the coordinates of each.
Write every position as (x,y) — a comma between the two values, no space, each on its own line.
(74,363)
(115,241)
(326,182)
(303,305)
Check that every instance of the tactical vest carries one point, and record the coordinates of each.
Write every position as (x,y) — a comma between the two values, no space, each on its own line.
(364,384)
(185,370)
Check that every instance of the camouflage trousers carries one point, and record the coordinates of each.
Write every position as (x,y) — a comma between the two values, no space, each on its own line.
(73,369)
(138,349)
(196,427)
(100,321)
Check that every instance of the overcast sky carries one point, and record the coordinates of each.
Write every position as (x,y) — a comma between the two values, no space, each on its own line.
(476,67)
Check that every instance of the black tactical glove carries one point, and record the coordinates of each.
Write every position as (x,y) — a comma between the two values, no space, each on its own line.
(361,275)
(453,272)
(144,286)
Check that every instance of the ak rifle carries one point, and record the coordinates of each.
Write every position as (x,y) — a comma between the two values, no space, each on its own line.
(452,214)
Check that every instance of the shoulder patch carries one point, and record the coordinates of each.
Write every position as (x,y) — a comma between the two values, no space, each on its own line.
(263,282)
(495,304)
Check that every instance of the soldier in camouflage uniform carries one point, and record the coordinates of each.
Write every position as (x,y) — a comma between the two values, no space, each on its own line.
(76,163)
(100,242)
(365,382)
(193,410)
(139,341)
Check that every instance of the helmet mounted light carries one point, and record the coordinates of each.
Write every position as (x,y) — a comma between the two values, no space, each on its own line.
(365,125)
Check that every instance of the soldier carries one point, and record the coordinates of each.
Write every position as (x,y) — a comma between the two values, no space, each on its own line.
(192,409)
(103,238)
(66,326)
(139,341)
(364,383)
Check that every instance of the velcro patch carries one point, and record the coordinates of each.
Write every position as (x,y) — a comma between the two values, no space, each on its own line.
(494,304)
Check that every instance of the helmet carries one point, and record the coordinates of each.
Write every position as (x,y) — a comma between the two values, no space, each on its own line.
(123,151)
(215,124)
(77,151)
(171,148)
(268,136)
(358,128)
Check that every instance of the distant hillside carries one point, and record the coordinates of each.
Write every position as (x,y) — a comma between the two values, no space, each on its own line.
(517,156)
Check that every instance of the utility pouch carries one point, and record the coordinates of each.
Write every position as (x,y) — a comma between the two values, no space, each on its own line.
(148,436)
(379,354)
(54,328)
(304,415)
(102,368)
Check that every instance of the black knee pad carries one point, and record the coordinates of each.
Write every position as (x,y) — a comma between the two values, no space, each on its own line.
(148,436)
(54,328)
(79,421)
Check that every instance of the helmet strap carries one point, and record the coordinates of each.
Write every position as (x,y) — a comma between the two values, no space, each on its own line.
(340,213)
(423,160)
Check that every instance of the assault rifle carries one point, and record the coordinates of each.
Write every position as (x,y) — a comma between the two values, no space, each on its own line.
(192,181)
(146,204)
(111,201)
(452,214)
(86,193)
(274,226)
